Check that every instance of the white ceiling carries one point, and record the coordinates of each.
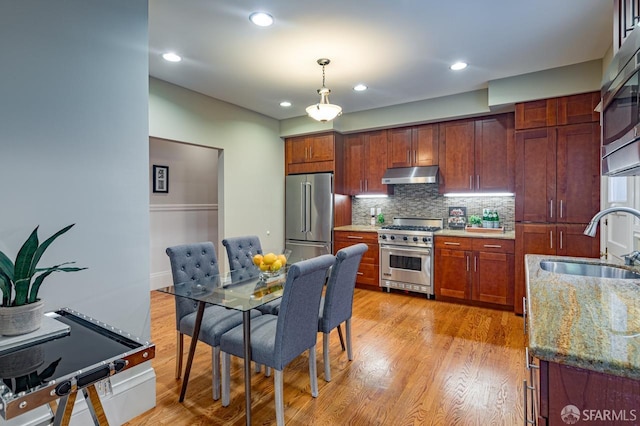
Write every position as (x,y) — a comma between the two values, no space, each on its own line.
(401,49)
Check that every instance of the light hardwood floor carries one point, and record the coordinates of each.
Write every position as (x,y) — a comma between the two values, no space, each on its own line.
(416,362)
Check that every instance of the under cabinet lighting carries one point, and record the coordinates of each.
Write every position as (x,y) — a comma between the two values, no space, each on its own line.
(372,196)
(479,194)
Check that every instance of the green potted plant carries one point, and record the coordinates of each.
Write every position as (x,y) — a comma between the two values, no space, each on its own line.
(21,310)
(475,221)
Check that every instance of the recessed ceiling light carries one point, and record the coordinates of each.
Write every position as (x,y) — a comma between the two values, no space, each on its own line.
(261,19)
(360,87)
(458,66)
(171,57)
(285,104)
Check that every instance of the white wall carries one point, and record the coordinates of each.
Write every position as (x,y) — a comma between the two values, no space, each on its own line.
(189,211)
(74,149)
(251,163)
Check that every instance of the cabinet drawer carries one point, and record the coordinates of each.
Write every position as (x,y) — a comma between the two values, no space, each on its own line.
(371,256)
(356,237)
(454,243)
(494,245)
(368,274)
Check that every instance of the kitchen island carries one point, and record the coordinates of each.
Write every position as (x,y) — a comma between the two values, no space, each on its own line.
(585,333)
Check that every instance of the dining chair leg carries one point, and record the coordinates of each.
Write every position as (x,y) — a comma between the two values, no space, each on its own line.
(258,367)
(179,350)
(277,384)
(267,371)
(325,357)
(226,378)
(215,369)
(313,372)
(349,346)
(340,336)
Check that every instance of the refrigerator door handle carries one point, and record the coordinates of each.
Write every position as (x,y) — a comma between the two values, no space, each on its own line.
(308,244)
(302,206)
(307,207)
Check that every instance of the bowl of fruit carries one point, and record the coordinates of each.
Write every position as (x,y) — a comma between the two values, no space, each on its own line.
(270,264)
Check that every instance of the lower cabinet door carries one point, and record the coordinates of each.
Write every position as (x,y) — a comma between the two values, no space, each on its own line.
(493,277)
(452,273)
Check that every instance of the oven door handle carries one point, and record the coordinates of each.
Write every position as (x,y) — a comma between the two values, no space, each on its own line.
(392,250)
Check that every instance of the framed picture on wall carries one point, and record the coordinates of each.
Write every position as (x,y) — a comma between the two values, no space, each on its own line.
(161,179)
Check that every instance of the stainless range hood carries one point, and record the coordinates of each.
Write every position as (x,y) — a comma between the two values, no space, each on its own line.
(425,174)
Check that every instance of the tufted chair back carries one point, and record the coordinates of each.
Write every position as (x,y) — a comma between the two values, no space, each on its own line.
(190,262)
(240,252)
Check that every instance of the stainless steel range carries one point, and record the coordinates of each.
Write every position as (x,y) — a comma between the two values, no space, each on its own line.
(406,248)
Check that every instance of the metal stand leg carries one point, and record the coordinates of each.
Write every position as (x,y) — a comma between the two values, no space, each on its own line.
(192,349)
(65,407)
(246,328)
(95,406)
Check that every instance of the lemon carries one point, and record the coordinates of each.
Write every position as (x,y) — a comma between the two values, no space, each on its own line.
(263,266)
(257,259)
(269,258)
(283,259)
(275,266)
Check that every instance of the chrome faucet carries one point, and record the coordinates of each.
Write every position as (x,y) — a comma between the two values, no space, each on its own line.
(631,258)
(592,227)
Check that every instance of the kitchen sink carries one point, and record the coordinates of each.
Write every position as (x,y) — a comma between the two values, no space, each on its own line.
(572,267)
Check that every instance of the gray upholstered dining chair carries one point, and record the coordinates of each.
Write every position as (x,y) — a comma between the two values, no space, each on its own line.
(277,339)
(240,252)
(191,262)
(337,302)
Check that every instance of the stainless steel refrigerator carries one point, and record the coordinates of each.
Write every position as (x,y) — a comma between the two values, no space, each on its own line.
(309,215)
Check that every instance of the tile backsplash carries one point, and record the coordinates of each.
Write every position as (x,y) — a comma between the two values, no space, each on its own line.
(423,200)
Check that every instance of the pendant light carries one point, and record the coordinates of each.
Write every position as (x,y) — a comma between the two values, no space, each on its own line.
(324,111)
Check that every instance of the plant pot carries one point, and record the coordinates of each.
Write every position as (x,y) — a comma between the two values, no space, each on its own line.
(23,319)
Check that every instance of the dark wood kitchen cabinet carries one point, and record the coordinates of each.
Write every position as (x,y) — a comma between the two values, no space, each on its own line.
(369,269)
(571,109)
(313,153)
(558,174)
(413,146)
(549,239)
(365,161)
(553,386)
(475,269)
(477,155)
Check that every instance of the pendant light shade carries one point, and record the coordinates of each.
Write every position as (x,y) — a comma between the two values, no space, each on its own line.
(324,110)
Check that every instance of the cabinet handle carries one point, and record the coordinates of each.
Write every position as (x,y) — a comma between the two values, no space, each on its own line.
(560,240)
(475,263)
(526,389)
(493,246)
(360,185)
(551,239)
(551,208)
(471,182)
(524,314)
(561,209)
(448,243)
(355,237)
(359,273)
(467,263)
(366,185)
(408,157)
(478,181)
(310,152)
(529,364)
(305,152)
(415,158)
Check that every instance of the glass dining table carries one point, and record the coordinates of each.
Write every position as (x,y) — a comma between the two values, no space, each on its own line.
(234,290)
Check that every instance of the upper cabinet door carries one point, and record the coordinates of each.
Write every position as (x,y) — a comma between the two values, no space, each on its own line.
(296,150)
(536,175)
(495,154)
(425,145)
(321,147)
(375,161)
(353,164)
(457,156)
(536,114)
(399,150)
(578,108)
(578,167)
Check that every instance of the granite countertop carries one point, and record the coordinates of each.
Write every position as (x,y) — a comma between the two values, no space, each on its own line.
(357,228)
(508,235)
(587,322)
